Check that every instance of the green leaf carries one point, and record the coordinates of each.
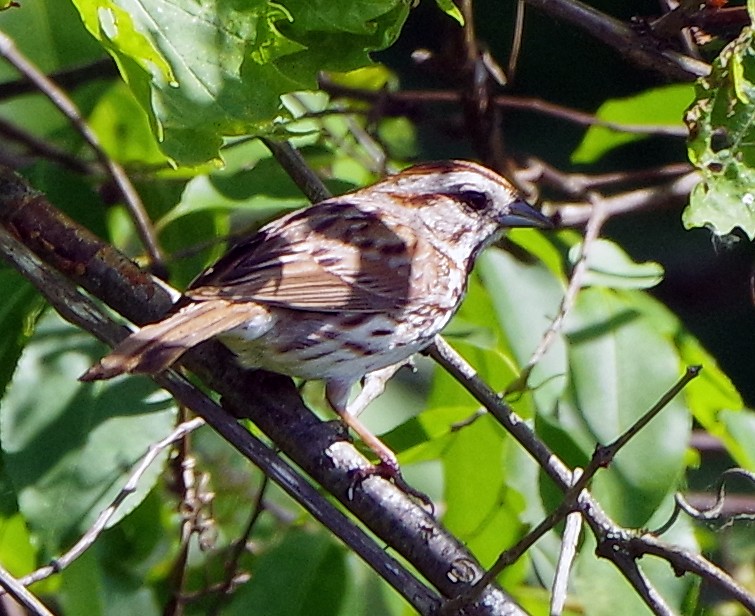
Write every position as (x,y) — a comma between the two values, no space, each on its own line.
(711,397)
(609,266)
(450,9)
(209,69)
(17,552)
(19,309)
(83,587)
(425,436)
(69,447)
(51,35)
(663,106)
(601,589)
(741,425)
(123,128)
(526,297)
(305,574)
(722,142)
(620,366)
(264,190)
(482,510)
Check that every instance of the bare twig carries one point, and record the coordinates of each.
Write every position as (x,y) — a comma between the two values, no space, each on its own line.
(67,78)
(364,149)
(404,102)
(516,42)
(63,102)
(579,185)
(684,561)
(577,489)
(575,116)
(714,512)
(42,148)
(566,557)
(100,524)
(628,565)
(239,547)
(294,164)
(614,542)
(604,454)
(193,501)
(594,224)
(577,213)
(635,47)
(19,592)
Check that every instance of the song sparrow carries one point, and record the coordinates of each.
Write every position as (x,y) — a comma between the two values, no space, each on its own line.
(344,288)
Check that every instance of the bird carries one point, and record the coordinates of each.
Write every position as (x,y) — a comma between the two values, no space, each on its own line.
(344,290)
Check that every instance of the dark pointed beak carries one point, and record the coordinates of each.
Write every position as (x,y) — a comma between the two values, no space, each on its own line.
(522,214)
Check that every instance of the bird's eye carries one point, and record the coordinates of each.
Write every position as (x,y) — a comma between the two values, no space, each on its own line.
(475,199)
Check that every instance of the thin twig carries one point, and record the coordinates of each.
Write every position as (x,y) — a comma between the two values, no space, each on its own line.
(238,548)
(19,592)
(294,164)
(192,503)
(63,102)
(601,458)
(402,103)
(43,148)
(613,540)
(578,185)
(371,155)
(566,556)
(592,231)
(68,78)
(577,213)
(645,589)
(685,561)
(715,512)
(575,116)
(635,47)
(516,42)
(88,538)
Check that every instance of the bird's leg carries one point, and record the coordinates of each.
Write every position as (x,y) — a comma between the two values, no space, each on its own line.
(373,385)
(337,393)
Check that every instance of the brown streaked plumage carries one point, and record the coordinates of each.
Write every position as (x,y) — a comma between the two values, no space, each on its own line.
(343,288)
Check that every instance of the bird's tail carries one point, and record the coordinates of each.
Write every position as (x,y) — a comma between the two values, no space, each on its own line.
(155,347)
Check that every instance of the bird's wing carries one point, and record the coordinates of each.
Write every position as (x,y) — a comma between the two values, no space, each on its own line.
(331,257)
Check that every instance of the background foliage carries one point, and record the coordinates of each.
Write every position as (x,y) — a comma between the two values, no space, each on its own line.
(195,83)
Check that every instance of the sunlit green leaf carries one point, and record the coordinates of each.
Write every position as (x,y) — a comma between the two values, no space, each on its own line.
(207,70)
(722,142)
(609,266)
(526,297)
(475,472)
(741,428)
(123,128)
(662,106)
(17,552)
(711,394)
(450,9)
(620,366)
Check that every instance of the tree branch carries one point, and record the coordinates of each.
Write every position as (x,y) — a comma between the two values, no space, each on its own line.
(271,401)
(640,49)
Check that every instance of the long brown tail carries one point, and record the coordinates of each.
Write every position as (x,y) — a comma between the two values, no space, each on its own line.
(155,347)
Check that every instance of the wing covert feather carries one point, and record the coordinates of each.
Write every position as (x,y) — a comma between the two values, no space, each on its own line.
(330,257)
